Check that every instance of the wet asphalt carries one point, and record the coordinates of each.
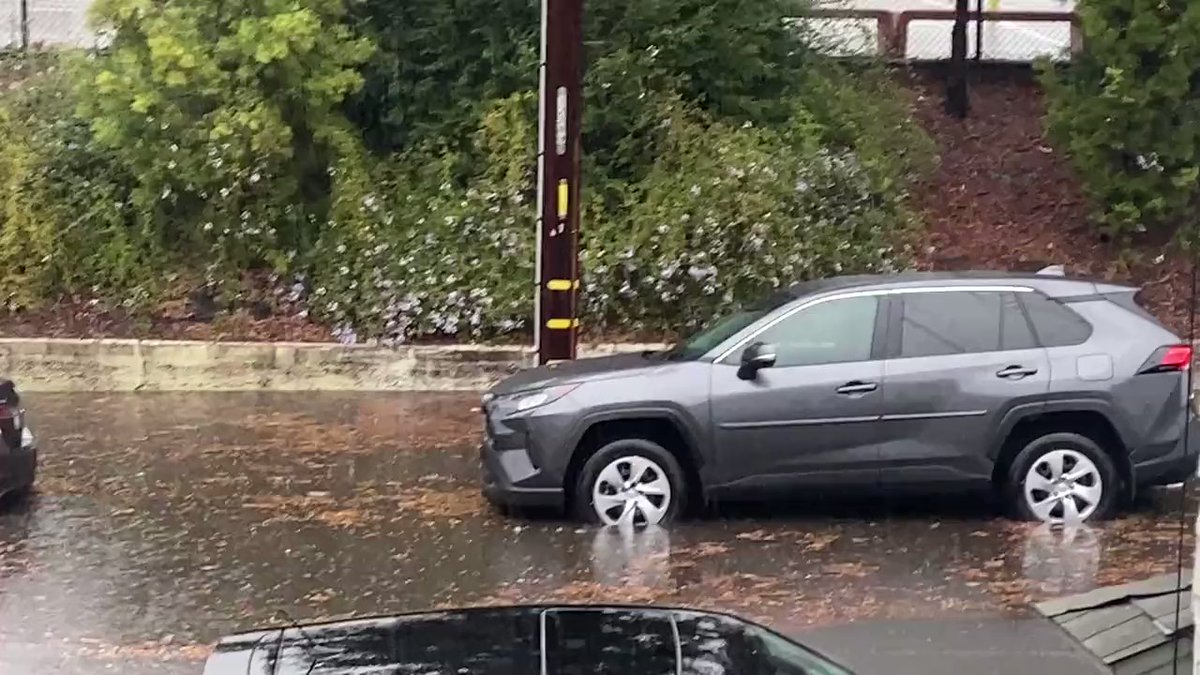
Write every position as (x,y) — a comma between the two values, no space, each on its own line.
(163,521)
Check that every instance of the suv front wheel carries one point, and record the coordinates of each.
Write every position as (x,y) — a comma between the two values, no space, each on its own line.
(1063,478)
(631,482)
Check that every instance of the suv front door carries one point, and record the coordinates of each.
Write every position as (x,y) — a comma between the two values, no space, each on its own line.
(959,360)
(810,418)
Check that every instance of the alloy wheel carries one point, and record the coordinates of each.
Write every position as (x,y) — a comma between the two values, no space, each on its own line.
(1063,486)
(631,490)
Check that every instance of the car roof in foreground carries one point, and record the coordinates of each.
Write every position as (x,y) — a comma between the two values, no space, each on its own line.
(1051,285)
(523,639)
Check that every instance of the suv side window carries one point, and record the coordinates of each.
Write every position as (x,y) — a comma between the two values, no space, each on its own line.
(1055,324)
(835,331)
(962,322)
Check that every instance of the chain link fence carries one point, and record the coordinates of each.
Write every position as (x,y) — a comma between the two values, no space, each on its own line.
(47,23)
(924,35)
(1001,40)
(909,36)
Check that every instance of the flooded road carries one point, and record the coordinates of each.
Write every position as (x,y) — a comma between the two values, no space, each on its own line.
(164,521)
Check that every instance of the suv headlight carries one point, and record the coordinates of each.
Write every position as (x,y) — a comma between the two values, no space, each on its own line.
(535,399)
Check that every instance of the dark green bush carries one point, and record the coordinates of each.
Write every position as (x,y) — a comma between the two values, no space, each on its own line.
(1127,113)
(67,224)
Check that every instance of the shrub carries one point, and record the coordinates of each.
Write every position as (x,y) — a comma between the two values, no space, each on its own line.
(437,66)
(65,223)
(439,63)
(411,253)
(228,115)
(726,213)
(722,216)
(1126,112)
(391,193)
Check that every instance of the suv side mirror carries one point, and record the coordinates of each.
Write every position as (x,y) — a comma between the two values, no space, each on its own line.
(756,357)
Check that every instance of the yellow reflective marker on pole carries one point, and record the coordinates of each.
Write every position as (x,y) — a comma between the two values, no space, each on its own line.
(561,284)
(564,197)
(562,324)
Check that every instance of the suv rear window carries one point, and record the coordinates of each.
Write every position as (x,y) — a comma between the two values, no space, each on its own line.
(1055,324)
(962,322)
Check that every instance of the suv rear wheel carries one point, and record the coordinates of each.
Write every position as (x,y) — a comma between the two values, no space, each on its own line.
(631,482)
(1063,477)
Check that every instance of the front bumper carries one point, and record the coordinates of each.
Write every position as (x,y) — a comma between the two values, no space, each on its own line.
(510,479)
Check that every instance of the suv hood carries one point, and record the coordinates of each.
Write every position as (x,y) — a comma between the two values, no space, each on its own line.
(563,372)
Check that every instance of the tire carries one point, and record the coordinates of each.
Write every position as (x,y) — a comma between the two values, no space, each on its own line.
(17,497)
(1038,496)
(662,485)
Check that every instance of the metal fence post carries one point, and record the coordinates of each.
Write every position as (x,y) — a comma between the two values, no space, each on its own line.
(24,19)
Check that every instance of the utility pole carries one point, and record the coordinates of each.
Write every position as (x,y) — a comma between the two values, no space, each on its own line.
(957,97)
(560,104)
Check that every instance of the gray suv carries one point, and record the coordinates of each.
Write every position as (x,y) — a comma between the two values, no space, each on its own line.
(1062,394)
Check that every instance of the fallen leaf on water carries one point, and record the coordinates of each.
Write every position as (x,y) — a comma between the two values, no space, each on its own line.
(756,535)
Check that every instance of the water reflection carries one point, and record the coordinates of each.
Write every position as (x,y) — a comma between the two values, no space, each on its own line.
(1062,558)
(638,557)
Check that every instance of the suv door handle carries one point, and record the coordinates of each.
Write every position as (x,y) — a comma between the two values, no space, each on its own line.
(1016,372)
(857,387)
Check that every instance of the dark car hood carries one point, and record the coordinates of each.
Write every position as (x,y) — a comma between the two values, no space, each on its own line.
(510,641)
(580,369)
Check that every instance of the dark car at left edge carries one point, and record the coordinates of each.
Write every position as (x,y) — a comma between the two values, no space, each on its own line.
(18,449)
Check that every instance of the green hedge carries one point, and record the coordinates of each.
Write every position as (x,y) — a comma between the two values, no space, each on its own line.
(1126,112)
(377,161)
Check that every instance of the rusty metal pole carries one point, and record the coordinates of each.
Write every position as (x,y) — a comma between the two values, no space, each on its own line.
(556,325)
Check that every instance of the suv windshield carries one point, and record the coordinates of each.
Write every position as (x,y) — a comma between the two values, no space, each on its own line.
(721,330)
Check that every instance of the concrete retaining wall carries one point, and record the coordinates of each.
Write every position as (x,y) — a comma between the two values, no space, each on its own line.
(167,365)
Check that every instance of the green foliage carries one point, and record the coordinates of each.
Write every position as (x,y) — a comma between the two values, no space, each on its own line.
(228,114)
(65,220)
(378,160)
(438,62)
(726,213)
(1127,112)
(722,216)
(413,254)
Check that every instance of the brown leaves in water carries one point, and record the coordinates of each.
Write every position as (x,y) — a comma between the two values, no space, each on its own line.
(756,535)
(162,650)
(368,507)
(457,503)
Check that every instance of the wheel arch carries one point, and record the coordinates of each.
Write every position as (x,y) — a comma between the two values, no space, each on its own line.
(664,426)
(1092,418)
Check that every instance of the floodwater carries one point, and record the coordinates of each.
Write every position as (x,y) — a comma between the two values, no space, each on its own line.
(163,521)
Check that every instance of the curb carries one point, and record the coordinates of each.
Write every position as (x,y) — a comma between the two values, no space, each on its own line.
(65,365)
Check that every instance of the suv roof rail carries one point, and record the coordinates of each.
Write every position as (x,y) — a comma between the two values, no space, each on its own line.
(1053,271)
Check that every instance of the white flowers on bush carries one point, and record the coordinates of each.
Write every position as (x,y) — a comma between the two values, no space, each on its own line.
(727,214)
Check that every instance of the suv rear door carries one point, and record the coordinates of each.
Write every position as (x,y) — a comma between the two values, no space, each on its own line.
(958,359)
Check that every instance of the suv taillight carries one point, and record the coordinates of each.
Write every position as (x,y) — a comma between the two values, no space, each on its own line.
(1173,358)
